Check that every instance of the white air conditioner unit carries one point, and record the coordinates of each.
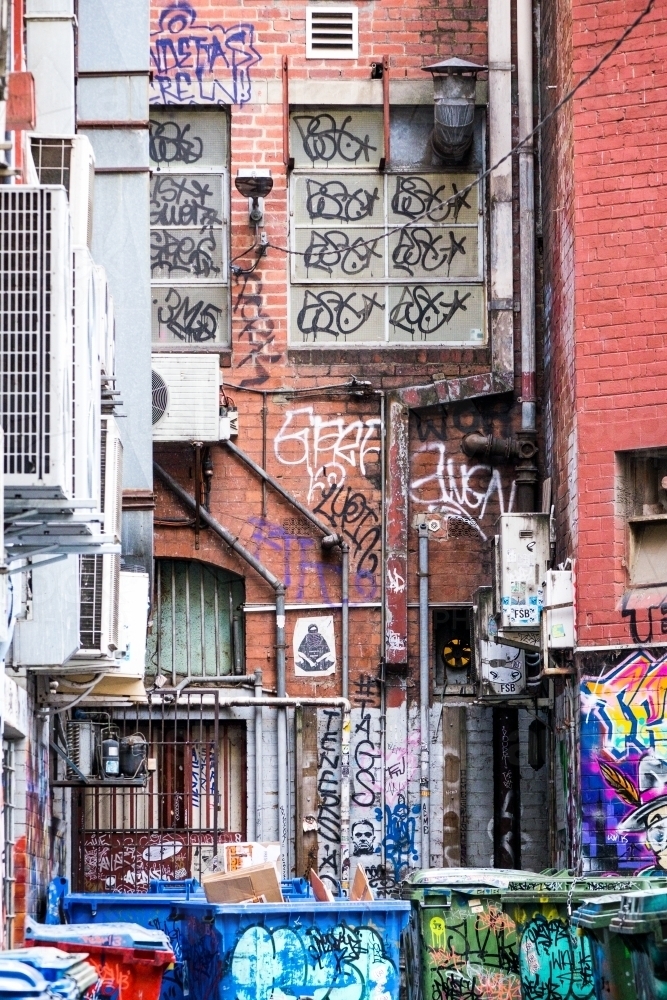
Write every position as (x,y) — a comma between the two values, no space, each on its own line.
(69,160)
(87,397)
(100,574)
(36,399)
(133,615)
(186,397)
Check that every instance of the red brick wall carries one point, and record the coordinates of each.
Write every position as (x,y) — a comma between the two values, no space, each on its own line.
(620,355)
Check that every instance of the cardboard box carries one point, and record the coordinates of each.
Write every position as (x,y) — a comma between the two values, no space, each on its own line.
(232,857)
(244,884)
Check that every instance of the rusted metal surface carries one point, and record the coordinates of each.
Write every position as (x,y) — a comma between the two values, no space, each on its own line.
(453,389)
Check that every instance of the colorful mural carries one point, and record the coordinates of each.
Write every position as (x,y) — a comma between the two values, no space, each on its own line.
(624,766)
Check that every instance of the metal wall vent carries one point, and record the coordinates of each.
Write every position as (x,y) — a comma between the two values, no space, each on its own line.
(332,33)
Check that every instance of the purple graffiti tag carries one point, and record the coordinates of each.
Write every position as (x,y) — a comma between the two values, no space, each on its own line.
(199,63)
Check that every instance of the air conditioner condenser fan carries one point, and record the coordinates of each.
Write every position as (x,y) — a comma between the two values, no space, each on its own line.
(160,397)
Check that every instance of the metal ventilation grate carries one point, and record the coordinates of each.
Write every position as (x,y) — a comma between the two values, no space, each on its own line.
(160,397)
(90,630)
(332,33)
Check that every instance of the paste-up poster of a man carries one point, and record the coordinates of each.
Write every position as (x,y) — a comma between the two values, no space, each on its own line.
(314,646)
(649,798)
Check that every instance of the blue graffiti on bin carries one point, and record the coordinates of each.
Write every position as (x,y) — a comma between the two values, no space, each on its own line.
(197,63)
(290,962)
(555,963)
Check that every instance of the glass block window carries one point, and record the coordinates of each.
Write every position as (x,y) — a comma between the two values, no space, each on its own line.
(189,211)
(379,257)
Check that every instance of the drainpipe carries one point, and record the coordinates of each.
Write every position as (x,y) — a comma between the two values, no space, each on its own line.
(345,618)
(526,470)
(328,541)
(259,763)
(424,698)
(500,186)
(279,588)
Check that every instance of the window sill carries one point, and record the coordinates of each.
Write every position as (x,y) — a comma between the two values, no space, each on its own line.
(408,354)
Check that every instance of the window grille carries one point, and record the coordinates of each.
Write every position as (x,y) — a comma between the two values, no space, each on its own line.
(379,257)
(193,802)
(189,210)
(197,621)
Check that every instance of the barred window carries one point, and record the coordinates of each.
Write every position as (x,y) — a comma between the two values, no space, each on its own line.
(189,210)
(389,257)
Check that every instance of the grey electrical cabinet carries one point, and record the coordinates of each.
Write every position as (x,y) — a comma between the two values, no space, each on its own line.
(522,561)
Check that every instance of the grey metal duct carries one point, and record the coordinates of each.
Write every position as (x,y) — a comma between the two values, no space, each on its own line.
(454,86)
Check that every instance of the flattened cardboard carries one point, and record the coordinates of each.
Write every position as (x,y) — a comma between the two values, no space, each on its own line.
(242,885)
(361,887)
(320,890)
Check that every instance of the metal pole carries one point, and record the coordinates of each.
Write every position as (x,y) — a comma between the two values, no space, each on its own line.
(283,820)
(259,772)
(424,699)
(345,616)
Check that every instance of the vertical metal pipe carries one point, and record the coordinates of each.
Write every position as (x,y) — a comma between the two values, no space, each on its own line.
(188,645)
(506,789)
(386,119)
(173,624)
(158,638)
(424,659)
(345,617)
(216,775)
(524,29)
(202,620)
(259,763)
(383,617)
(216,626)
(283,819)
(345,803)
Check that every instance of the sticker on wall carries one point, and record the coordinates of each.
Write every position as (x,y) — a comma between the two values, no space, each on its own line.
(314,646)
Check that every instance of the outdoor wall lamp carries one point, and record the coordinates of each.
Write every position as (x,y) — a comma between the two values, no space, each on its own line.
(454,83)
(254,185)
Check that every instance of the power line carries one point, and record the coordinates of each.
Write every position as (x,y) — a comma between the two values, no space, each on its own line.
(513,151)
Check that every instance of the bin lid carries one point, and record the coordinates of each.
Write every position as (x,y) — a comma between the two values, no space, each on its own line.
(20,980)
(46,959)
(495,878)
(597,912)
(640,912)
(111,935)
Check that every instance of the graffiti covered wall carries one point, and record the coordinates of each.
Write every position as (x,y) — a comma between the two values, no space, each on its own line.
(624,766)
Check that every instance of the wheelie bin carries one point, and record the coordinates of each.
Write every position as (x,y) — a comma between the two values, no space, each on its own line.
(129,959)
(641,923)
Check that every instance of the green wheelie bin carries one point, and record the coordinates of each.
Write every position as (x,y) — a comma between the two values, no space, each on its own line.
(641,923)
(612,958)
(555,961)
(459,942)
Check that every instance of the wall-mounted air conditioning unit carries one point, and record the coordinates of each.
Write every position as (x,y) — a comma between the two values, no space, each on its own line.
(186,397)
(87,397)
(36,400)
(48,632)
(99,578)
(70,161)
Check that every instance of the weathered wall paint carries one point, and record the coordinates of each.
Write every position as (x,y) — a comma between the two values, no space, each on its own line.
(624,765)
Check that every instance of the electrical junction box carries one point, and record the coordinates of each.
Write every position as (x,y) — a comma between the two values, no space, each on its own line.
(229,423)
(502,668)
(522,559)
(560,620)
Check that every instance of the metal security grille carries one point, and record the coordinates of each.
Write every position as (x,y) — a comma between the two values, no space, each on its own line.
(189,227)
(193,801)
(379,257)
(8,810)
(91,577)
(197,621)
(25,305)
